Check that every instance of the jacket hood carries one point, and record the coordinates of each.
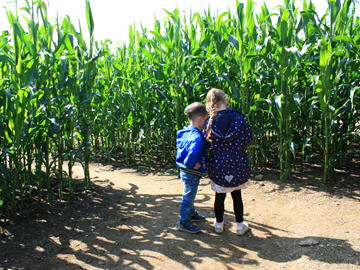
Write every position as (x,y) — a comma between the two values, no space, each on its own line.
(227,126)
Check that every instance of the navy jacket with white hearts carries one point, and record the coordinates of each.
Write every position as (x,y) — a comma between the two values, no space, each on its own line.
(228,163)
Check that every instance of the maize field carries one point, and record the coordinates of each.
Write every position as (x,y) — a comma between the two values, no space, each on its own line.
(66,98)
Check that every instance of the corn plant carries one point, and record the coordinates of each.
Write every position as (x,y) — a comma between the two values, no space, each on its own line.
(66,97)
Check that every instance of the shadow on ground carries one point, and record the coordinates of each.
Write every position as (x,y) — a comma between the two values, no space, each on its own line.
(121,229)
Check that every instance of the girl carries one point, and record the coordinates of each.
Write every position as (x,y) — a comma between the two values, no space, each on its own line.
(228,133)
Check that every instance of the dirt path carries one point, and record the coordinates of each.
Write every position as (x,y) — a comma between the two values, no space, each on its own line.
(129,222)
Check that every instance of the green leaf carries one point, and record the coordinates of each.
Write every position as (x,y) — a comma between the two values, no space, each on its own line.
(164,42)
(5,58)
(3,42)
(31,72)
(17,45)
(205,42)
(277,100)
(69,42)
(219,22)
(295,51)
(352,93)
(89,18)
(26,39)
(147,53)
(234,41)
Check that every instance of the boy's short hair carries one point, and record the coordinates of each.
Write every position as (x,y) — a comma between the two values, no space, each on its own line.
(196,109)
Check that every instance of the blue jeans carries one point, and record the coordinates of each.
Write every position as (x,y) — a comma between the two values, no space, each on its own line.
(187,208)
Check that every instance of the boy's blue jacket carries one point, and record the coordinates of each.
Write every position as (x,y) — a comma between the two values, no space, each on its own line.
(231,134)
(190,145)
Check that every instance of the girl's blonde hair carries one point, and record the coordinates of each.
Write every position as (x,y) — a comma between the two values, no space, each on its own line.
(213,98)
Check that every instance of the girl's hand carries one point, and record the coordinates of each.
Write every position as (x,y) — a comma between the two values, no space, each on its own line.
(197,165)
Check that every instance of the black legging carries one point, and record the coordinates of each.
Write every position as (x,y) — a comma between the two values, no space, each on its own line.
(237,202)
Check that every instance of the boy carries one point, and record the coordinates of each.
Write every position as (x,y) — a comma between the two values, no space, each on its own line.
(191,158)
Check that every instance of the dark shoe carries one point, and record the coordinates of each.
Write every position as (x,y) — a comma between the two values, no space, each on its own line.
(197,218)
(188,227)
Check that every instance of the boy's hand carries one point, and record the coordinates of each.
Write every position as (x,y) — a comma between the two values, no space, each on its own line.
(197,165)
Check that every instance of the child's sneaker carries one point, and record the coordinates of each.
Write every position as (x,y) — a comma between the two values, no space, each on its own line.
(219,227)
(188,227)
(197,218)
(243,230)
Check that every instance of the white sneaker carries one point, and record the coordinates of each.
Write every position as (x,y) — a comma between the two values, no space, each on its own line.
(243,230)
(219,227)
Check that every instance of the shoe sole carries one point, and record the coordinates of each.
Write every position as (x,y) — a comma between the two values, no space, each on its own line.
(185,230)
(243,232)
(220,229)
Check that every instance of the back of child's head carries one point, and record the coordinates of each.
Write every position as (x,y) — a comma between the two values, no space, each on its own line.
(195,110)
(213,99)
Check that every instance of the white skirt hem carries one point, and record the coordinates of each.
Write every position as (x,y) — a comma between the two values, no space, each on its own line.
(220,189)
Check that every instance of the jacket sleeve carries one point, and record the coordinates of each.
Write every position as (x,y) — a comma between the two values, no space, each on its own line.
(194,152)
